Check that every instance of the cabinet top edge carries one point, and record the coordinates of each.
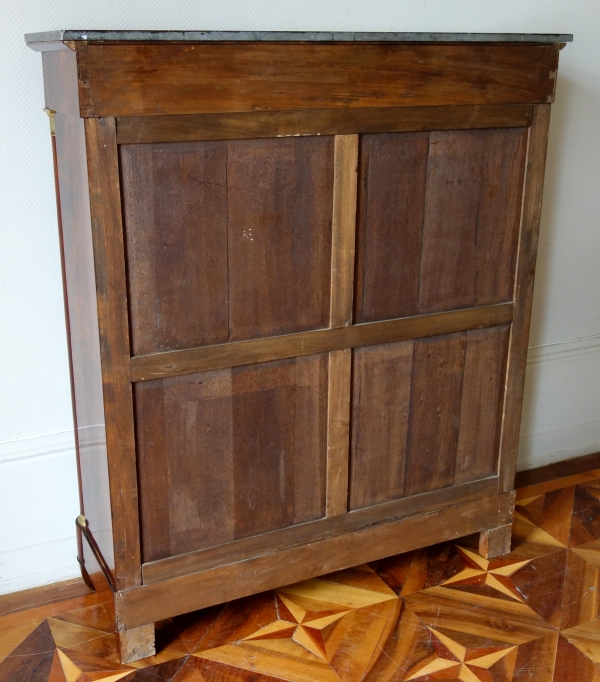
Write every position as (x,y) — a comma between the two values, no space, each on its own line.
(37,40)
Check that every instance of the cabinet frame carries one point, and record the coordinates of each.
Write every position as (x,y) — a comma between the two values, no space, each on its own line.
(93,117)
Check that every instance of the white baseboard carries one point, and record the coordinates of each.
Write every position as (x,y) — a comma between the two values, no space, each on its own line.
(561,408)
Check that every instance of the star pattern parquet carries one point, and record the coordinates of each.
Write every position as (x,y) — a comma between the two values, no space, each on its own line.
(441,613)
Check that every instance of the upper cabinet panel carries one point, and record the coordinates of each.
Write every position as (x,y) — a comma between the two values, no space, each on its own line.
(447,236)
(152,79)
(227,240)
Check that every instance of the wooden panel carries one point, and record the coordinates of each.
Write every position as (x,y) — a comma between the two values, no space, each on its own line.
(279,211)
(343,236)
(81,312)
(208,78)
(277,540)
(500,203)
(234,354)
(111,294)
(481,406)
(242,452)
(380,404)
(255,124)
(151,603)
(471,218)
(390,219)
(434,412)
(227,240)
(175,209)
(338,431)
(450,224)
(528,239)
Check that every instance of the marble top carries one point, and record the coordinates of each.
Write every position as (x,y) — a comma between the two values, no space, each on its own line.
(309,36)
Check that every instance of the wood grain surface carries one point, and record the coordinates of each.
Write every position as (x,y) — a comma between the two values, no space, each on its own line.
(256,124)
(523,292)
(158,365)
(109,258)
(343,236)
(209,78)
(253,262)
(381,386)
(338,431)
(230,453)
(151,603)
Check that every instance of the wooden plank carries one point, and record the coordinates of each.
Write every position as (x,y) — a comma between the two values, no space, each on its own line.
(155,79)
(111,294)
(380,403)
(450,221)
(481,404)
(230,453)
(256,124)
(393,171)
(523,294)
(499,216)
(279,213)
(158,365)
(168,598)
(315,530)
(343,230)
(434,412)
(338,431)
(176,254)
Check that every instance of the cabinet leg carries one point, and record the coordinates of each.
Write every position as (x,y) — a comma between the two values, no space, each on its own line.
(495,542)
(137,643)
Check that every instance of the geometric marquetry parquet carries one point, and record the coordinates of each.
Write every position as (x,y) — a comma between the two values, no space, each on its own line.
(441,613)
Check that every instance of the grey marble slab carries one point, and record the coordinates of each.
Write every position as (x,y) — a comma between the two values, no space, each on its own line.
(308,36)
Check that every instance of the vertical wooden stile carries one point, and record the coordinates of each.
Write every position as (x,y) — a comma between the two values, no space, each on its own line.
(523,294)
(342,289)
(111,294)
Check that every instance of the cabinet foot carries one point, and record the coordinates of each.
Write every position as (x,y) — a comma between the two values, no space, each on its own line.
(495,542)
(137,643)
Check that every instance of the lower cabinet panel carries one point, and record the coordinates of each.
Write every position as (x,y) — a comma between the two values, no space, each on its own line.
(425,414)
(231,453)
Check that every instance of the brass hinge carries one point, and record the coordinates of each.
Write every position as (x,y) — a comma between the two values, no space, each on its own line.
(51,113)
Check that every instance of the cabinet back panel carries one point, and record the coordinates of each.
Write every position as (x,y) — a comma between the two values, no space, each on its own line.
(227,240)
(438,220)
(425,414)
(231,453)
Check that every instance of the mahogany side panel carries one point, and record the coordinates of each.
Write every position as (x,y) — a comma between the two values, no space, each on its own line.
(187,78)
(231,453)
(523,293)
(60,85)
(111,297)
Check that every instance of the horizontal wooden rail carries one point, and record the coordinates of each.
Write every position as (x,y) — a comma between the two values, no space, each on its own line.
(237,353)
(312,531)
(246,125)
(167,598)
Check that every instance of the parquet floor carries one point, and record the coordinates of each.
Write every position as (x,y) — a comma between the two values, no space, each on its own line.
(442,613)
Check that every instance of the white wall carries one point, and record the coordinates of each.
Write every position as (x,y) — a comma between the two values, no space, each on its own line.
(38,496)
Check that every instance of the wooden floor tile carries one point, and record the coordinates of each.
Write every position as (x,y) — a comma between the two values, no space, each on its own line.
(440,613)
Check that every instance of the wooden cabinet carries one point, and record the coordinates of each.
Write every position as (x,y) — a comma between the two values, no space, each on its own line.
(298,275)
